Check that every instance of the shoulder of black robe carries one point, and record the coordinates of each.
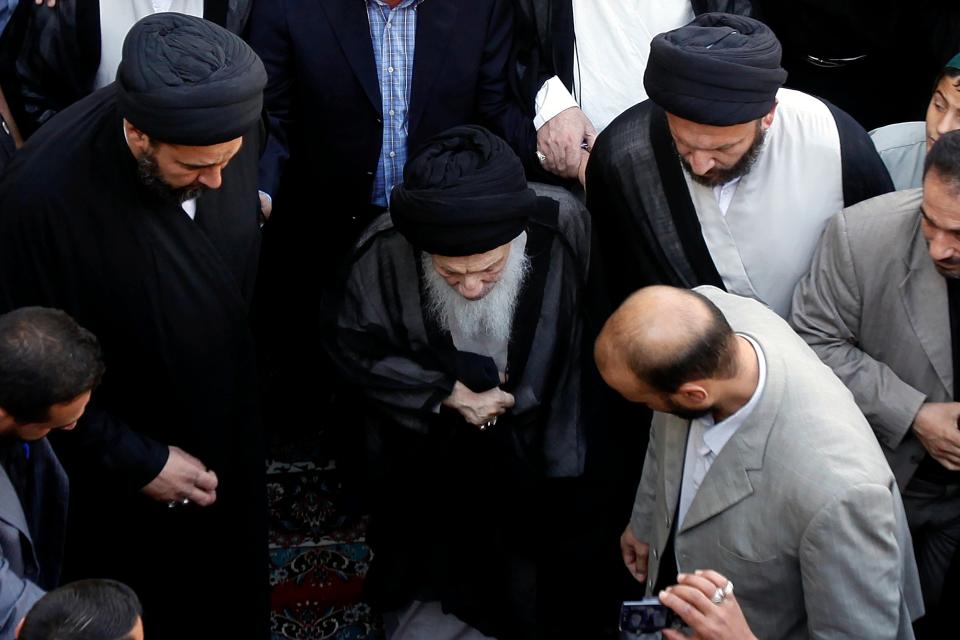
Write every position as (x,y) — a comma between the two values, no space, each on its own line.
(37,243)
(645,225)
(78,232)
(864,174)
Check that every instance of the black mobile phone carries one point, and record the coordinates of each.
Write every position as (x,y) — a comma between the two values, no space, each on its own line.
(647,615)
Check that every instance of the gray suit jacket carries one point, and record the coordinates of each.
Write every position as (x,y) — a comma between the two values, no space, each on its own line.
(875,310)
(799,509)
(20,567)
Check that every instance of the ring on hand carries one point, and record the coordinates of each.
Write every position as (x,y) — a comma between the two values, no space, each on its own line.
(728,588)
(185,501)
(541,157)
(171,504)
(488,423)
(718,596)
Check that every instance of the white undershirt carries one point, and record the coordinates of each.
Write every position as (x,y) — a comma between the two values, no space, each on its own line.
(611,48)
(116,19)
(724,194)
(706,438)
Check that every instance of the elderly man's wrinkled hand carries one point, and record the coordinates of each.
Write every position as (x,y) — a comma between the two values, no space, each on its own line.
(479,409)
(561,140)
(705,602)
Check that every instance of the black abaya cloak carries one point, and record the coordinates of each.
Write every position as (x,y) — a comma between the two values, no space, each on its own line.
(167,297)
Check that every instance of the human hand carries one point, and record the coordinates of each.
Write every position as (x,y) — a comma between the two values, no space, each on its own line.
(692,601)
(479,409)
(561,141)
(183,477)
(634,554)
(936,428)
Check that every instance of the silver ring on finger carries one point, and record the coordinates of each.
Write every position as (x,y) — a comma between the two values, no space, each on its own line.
(718,596)
(541,157)
(172,503)
(185,501)
(728,588)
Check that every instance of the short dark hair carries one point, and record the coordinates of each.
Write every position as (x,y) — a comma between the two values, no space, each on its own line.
(710,353)
(944,159)
(947,72)
(84,610)
(45,359)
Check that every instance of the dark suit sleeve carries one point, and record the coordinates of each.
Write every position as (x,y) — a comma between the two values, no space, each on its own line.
(38,267)
(270,38)
(497,106)
(864,174)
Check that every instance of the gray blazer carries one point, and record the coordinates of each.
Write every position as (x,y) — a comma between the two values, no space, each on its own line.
(20,567)
(799,509)
(875,310)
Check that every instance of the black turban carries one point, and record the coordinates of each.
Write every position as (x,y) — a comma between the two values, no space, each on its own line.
(464,192)
(184,80)
(720,69)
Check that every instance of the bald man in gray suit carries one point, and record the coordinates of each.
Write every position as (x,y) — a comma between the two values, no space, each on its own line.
(760,467)
(881,306)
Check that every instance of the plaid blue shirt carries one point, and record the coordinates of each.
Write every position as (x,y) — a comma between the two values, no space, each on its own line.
(393,32)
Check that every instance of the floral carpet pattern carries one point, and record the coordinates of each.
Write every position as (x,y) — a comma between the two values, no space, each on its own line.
(318,558)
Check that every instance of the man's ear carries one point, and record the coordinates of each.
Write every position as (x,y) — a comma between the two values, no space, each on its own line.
(136,139)
(693,393)
(767,120)
(6,420)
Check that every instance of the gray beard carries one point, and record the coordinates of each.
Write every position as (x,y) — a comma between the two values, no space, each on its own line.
(491,316)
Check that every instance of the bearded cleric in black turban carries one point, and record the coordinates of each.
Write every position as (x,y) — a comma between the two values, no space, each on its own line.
(720,70)
(463,193)
(93,220)
(184,80)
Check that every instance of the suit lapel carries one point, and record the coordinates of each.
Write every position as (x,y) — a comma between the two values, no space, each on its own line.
(435,21)
(11,511)
(924,293)
(350,23)
(675,435)
(727,482)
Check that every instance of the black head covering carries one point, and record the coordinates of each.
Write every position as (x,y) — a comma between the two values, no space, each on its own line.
(184,80)
(464,192)
(720,69)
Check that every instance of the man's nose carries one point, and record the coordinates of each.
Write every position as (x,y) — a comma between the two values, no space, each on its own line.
(471,287)
(211,178)
(940,248)
(701,162)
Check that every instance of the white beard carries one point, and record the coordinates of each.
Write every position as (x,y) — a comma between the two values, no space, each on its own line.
(492,315)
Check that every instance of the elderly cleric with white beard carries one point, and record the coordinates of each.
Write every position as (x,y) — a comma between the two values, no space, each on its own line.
(460,325)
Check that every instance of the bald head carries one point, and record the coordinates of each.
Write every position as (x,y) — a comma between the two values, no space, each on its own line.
(664,337)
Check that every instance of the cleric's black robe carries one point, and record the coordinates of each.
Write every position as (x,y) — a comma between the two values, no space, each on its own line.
(646,228)
(456,511)
(168,299)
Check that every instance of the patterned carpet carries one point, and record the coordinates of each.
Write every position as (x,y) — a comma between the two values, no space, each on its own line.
(318,558)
